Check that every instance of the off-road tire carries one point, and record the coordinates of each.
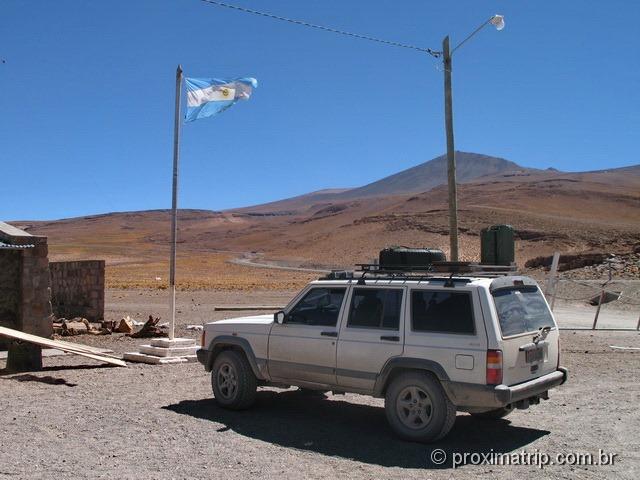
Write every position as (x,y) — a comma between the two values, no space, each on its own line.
(439,411)
(239,390)
(496,414)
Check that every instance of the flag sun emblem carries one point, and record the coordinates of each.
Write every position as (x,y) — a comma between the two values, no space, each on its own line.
(225,92)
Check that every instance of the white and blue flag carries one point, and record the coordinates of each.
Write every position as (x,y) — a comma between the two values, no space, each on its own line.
(210,96)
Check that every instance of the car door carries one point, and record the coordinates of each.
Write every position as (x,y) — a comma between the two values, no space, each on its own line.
(303,347)
(371,333)
(445,325)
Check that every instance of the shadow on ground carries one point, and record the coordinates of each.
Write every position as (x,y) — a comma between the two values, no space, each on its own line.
(28,377)
(358,432)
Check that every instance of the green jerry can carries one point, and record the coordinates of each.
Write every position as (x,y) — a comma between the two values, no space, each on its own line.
(497,245)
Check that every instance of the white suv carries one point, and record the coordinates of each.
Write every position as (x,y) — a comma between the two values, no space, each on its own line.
(429,346)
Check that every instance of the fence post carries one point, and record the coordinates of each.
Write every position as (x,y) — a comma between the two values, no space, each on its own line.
(595,320)
(552,282)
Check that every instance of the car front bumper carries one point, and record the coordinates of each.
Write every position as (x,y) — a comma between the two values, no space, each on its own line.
(203,356)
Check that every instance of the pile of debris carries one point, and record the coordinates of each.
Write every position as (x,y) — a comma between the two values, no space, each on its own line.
(81,326)
(150,329)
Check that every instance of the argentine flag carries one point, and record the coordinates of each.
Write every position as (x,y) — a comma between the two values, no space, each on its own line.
(210,96)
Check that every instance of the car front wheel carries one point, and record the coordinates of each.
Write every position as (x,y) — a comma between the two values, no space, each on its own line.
(232,380)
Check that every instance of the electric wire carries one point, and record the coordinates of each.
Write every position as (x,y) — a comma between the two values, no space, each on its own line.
(431,52)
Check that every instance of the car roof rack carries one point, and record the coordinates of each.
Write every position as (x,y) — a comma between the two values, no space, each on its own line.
(446,271)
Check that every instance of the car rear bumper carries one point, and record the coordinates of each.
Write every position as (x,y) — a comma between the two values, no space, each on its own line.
(473,396)
(532,388)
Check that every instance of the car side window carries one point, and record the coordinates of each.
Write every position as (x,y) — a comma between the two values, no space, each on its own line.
(375,308)
(320,306)
(442,312)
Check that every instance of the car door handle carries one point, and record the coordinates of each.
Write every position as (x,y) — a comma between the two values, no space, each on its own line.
(390,338)
(329,334)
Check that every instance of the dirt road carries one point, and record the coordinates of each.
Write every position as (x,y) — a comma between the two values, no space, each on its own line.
(79,420)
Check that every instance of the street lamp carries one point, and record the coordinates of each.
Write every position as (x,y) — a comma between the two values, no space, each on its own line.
(498,22)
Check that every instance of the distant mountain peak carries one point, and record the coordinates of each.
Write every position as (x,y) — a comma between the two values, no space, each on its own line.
(428,175)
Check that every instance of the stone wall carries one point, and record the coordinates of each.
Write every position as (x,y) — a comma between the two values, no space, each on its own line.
(31,276)
(77,289)
(9,291)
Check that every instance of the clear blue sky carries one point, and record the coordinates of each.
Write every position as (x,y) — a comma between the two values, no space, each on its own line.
(86,96)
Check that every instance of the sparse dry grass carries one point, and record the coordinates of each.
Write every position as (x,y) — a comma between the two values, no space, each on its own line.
(203,271)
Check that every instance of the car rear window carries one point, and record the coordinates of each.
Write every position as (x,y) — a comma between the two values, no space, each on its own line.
(442,312)
(521,309)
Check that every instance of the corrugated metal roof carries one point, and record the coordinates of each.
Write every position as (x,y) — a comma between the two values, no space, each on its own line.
(7,246)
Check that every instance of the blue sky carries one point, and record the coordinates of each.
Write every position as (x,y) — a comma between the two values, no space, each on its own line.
(86,96)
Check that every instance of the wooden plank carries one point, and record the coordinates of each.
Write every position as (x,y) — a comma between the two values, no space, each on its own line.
(86,348)
(64,346)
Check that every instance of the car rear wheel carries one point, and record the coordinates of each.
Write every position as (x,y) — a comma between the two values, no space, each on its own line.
(418,409)
(232,380)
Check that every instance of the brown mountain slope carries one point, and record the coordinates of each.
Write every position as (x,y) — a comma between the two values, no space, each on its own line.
(423,177)
(571,212)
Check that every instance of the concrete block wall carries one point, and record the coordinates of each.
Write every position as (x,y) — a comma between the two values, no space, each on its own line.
(77,289)
(25,293)
(36,304)
(10,261)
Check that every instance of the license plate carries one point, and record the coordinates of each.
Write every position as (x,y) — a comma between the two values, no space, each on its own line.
(534,355)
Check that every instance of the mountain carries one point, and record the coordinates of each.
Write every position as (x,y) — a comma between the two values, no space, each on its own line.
(418,179)
(423,177)
(550,210)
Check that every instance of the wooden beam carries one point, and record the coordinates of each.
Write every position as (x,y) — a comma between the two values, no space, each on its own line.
(81,350)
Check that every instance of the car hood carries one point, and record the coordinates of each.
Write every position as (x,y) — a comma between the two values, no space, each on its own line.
(252,320)
(259,325)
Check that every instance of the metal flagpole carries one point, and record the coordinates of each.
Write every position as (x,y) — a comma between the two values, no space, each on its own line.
(174,205)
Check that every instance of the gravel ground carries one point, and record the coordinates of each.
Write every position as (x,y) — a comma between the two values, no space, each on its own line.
(77,419)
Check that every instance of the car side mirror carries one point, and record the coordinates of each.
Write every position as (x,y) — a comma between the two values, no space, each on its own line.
(279,316)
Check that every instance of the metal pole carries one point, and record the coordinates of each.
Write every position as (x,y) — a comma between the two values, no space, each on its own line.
(600,300)
(174,206)
(451,154)
(552,282)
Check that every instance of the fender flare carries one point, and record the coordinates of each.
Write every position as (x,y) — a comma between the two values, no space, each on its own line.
(407,363)
(218,345)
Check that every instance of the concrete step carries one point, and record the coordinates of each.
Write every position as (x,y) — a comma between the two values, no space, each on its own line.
(155,360)
(168,351)
(176,342)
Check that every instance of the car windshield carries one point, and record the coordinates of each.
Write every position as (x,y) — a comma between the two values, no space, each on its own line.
(521,310)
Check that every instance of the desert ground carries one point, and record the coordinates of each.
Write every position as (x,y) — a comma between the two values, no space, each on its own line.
(78,419)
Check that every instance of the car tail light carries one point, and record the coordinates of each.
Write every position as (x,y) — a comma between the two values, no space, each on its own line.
(494,367)
(202,339)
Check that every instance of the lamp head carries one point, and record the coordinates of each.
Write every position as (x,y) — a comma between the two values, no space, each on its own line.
(498,22)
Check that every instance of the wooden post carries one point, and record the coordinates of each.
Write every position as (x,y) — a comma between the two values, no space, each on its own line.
(552,281)
(595,320)
(451,154)
(174,207)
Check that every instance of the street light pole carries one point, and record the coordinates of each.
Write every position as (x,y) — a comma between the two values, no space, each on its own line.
(498,22)
(451,154)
